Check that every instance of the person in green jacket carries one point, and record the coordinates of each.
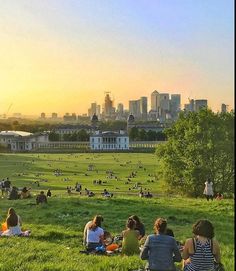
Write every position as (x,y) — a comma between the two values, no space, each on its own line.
(130,243)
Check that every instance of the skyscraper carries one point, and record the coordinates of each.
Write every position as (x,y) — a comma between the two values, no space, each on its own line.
(134,108)
(120,108)
(175,105)
(143,107)
(223,108)
(155,101)
(108,109)
(164,105)
(199,104)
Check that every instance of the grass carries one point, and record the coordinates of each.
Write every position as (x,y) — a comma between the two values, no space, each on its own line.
(57,228)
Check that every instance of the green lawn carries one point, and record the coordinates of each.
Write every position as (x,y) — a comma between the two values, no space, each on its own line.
(56,237)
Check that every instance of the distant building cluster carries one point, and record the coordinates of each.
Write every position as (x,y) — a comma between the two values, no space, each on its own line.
(163,107)
(195,105)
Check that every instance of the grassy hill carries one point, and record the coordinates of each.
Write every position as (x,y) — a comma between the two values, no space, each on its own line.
(57,228)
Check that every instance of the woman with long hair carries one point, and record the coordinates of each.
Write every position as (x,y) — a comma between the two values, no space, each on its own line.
(138,226)
(93,233)
(13,224)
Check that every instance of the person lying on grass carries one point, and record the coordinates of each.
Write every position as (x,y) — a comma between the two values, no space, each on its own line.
(12,226)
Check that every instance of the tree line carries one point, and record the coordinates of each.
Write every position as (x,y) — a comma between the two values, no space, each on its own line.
(136,134)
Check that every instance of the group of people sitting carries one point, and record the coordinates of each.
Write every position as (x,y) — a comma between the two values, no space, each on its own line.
(160,249)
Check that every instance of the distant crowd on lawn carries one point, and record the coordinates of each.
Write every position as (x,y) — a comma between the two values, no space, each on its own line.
(161,250)
(13,193)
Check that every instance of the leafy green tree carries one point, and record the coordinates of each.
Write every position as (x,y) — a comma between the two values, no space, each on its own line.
(53,136)
(142,135)
(200,146)
(83,135)
(134,133)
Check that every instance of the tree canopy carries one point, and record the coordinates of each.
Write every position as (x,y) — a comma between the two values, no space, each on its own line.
(199,146)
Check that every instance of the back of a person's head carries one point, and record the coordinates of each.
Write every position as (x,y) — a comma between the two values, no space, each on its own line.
(203,227)
(130,224)
(169,232)
(41,192)
(136,219)
(160,225)
(97,222)
(12,218)
(11,211)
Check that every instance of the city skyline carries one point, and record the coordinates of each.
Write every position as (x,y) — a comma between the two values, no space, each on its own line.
(60,56)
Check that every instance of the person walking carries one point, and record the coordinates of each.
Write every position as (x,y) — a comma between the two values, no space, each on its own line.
(208,190)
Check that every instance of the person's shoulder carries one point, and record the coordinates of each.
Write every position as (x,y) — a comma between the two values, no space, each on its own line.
(189,241)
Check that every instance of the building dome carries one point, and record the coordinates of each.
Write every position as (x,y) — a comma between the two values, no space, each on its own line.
(94,118)
(130,118)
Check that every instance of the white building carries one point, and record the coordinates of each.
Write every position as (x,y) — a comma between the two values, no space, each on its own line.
(109,141)
(22,141)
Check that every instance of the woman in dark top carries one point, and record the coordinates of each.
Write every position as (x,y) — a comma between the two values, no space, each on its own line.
(138,225)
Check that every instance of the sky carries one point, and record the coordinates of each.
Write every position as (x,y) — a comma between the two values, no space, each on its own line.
(62,55)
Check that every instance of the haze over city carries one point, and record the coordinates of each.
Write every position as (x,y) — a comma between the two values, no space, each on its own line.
(59,56)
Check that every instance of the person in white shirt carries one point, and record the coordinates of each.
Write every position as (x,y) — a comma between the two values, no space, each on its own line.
(208,190)
(93,233)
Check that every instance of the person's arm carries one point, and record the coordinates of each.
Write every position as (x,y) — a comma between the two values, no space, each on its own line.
(102,239)
(85,233)
(177,256)
(185,254)
(144,254)
(138,234)
(19,221)
(216,251)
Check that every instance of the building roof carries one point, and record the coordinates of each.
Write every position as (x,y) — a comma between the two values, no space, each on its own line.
(15,133)
(110,133)
(94,117)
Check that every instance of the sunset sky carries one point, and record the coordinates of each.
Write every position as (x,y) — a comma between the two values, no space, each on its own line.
(61,55)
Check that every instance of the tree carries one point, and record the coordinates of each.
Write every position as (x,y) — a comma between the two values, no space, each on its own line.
(134,133)
(53,136)
(142,135)
(83,135)
(200,146)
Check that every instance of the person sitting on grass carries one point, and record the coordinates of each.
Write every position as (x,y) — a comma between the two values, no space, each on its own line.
(25,193)
(171,233)
(13,224)
(49,193)
(14,193)
(160,250)
(41,198)
(138,226)
(93,233)
(130,242)
(202,251)
(219,196)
